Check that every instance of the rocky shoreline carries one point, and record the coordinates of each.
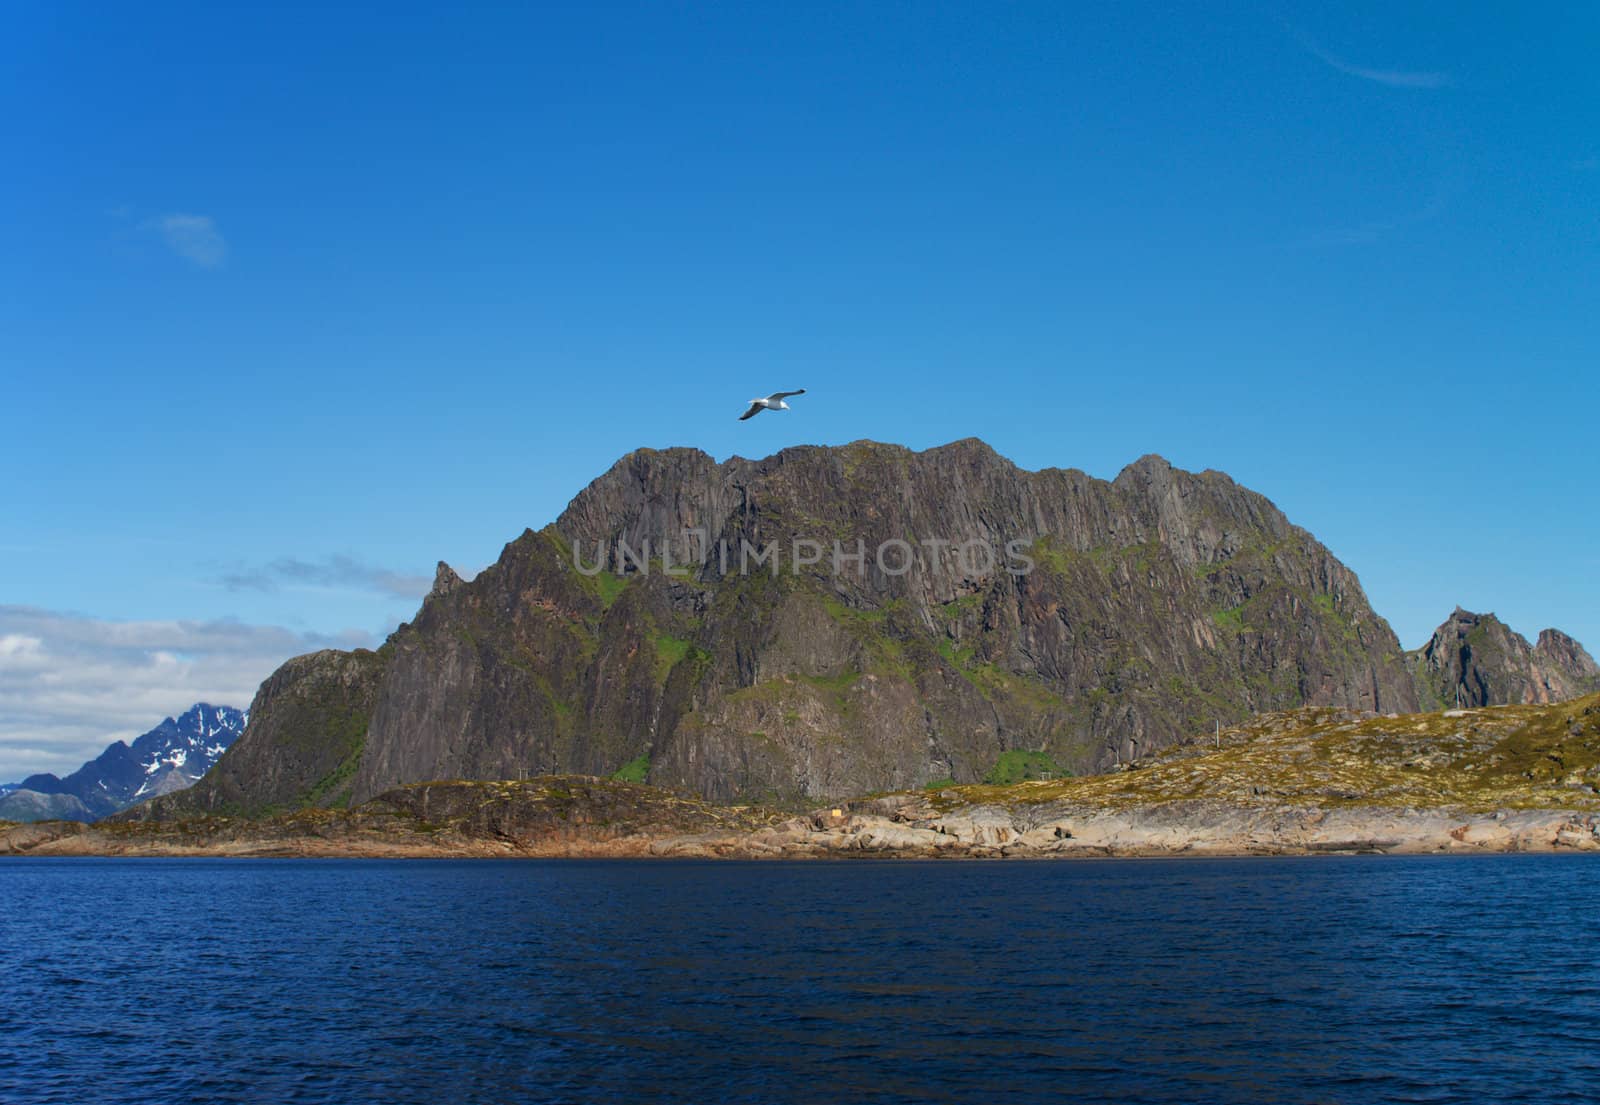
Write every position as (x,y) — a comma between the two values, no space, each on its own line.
(521,820)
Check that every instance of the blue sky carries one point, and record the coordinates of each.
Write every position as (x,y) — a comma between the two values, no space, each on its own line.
(296,302)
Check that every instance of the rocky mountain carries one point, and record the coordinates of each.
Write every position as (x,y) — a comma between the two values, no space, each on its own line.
(850,619)
(1477,660)
(168,758)
(308,725)
(18,804)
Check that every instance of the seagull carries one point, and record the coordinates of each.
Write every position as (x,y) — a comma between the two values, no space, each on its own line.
(773,402)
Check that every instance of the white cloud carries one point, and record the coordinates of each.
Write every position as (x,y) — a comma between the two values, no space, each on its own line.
(195,238)
(1394,78)
(70,685)
(339,572)
(18,652)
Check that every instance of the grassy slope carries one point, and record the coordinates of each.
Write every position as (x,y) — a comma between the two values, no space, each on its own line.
(1504,757)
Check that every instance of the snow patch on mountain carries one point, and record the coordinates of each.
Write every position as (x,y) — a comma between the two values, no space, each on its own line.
(170,757)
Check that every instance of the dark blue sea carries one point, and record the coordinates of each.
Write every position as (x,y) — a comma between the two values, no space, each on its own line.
(349,981)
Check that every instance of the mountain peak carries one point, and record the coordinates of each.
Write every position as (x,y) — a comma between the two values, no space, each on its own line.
(169,757)
(1565,655)
(1150,469)
(968,445)
(1477,660)
(445,580)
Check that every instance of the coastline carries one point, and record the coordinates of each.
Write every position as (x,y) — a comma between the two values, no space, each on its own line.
(524,820)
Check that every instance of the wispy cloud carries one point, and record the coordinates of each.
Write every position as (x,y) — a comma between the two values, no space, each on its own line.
(70,684)
(195,238)
(340,572)
(1394,78)
(1374,231)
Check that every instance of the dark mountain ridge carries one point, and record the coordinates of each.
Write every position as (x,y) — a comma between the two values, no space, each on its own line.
(1154,605)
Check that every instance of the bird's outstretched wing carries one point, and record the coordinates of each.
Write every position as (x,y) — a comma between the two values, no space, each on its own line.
(779,396)
(755,409)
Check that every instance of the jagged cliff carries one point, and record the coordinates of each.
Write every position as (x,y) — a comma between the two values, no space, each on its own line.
(1477,660)
(1107,619)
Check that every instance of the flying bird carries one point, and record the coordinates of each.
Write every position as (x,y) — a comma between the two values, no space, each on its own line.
(773,402)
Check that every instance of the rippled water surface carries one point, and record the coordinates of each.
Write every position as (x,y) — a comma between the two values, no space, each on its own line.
(1329,979)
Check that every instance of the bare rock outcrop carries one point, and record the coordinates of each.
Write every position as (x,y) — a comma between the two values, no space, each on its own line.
(1478,660)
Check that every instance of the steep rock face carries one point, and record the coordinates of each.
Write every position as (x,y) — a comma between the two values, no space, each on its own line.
(1127,614)
(1156,603)
(307,726)
(1477,660)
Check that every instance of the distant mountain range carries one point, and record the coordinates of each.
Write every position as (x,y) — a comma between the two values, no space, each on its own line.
(168,758)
